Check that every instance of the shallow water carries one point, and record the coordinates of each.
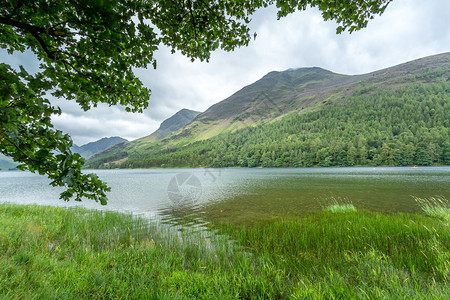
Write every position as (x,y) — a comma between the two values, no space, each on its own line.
(244,195)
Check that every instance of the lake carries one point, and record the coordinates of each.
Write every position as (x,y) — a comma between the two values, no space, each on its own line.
(243,195)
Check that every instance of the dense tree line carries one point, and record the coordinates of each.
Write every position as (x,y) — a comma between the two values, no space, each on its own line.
(397,127)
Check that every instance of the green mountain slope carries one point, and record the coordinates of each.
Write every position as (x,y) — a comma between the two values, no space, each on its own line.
(309,117)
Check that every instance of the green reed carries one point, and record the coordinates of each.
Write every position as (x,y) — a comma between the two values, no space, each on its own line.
(435,207)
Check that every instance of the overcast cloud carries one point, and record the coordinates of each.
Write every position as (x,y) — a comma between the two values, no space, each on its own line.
(409,29)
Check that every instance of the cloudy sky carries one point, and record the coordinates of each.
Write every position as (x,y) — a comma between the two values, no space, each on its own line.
(409,29)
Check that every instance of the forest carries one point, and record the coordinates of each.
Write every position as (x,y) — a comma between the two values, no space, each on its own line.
(404,126)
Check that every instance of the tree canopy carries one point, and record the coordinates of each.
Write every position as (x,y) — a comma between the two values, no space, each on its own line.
(87,49)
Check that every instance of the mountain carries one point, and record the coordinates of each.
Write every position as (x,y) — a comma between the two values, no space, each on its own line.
(309,110)
(90,149)
(171,125)
(7,163)
(274,95)
(302,90)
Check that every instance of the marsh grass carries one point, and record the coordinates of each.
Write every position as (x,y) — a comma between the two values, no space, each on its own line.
(355,255)
(435,207)
(339,205)
(336,208)
(48,252)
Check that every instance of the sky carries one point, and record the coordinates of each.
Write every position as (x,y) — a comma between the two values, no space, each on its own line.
(408,30)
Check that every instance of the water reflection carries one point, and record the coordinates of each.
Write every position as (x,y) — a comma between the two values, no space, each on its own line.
(252,195)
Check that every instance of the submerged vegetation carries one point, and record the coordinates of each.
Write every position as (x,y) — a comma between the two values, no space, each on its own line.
(50,252)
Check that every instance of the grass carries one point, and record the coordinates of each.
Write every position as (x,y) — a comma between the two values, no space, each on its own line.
(48,252)
(337,207)
(357,255)
(438,207)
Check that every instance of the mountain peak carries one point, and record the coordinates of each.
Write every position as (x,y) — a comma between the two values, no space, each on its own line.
(176,121)
(298,72)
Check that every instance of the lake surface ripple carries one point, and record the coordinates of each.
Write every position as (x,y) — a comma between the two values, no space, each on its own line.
(243,195)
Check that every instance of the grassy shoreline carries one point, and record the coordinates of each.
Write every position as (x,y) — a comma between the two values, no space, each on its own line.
(49,252)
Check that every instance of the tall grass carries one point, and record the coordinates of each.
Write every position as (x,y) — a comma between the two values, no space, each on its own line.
(48,252)
(435,207)
(336,208)
(358,255)
(339,205)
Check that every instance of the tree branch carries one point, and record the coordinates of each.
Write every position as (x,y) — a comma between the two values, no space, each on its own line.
(194,24)
(17,147)
(34,31)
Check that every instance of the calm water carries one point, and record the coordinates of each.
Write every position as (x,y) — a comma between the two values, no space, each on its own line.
(241,195)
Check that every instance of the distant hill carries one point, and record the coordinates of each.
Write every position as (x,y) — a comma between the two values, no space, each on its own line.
(311,116)
(90,149)
(7,163)
(86,151)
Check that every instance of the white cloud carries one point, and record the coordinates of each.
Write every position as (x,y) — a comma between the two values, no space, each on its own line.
(409,29)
